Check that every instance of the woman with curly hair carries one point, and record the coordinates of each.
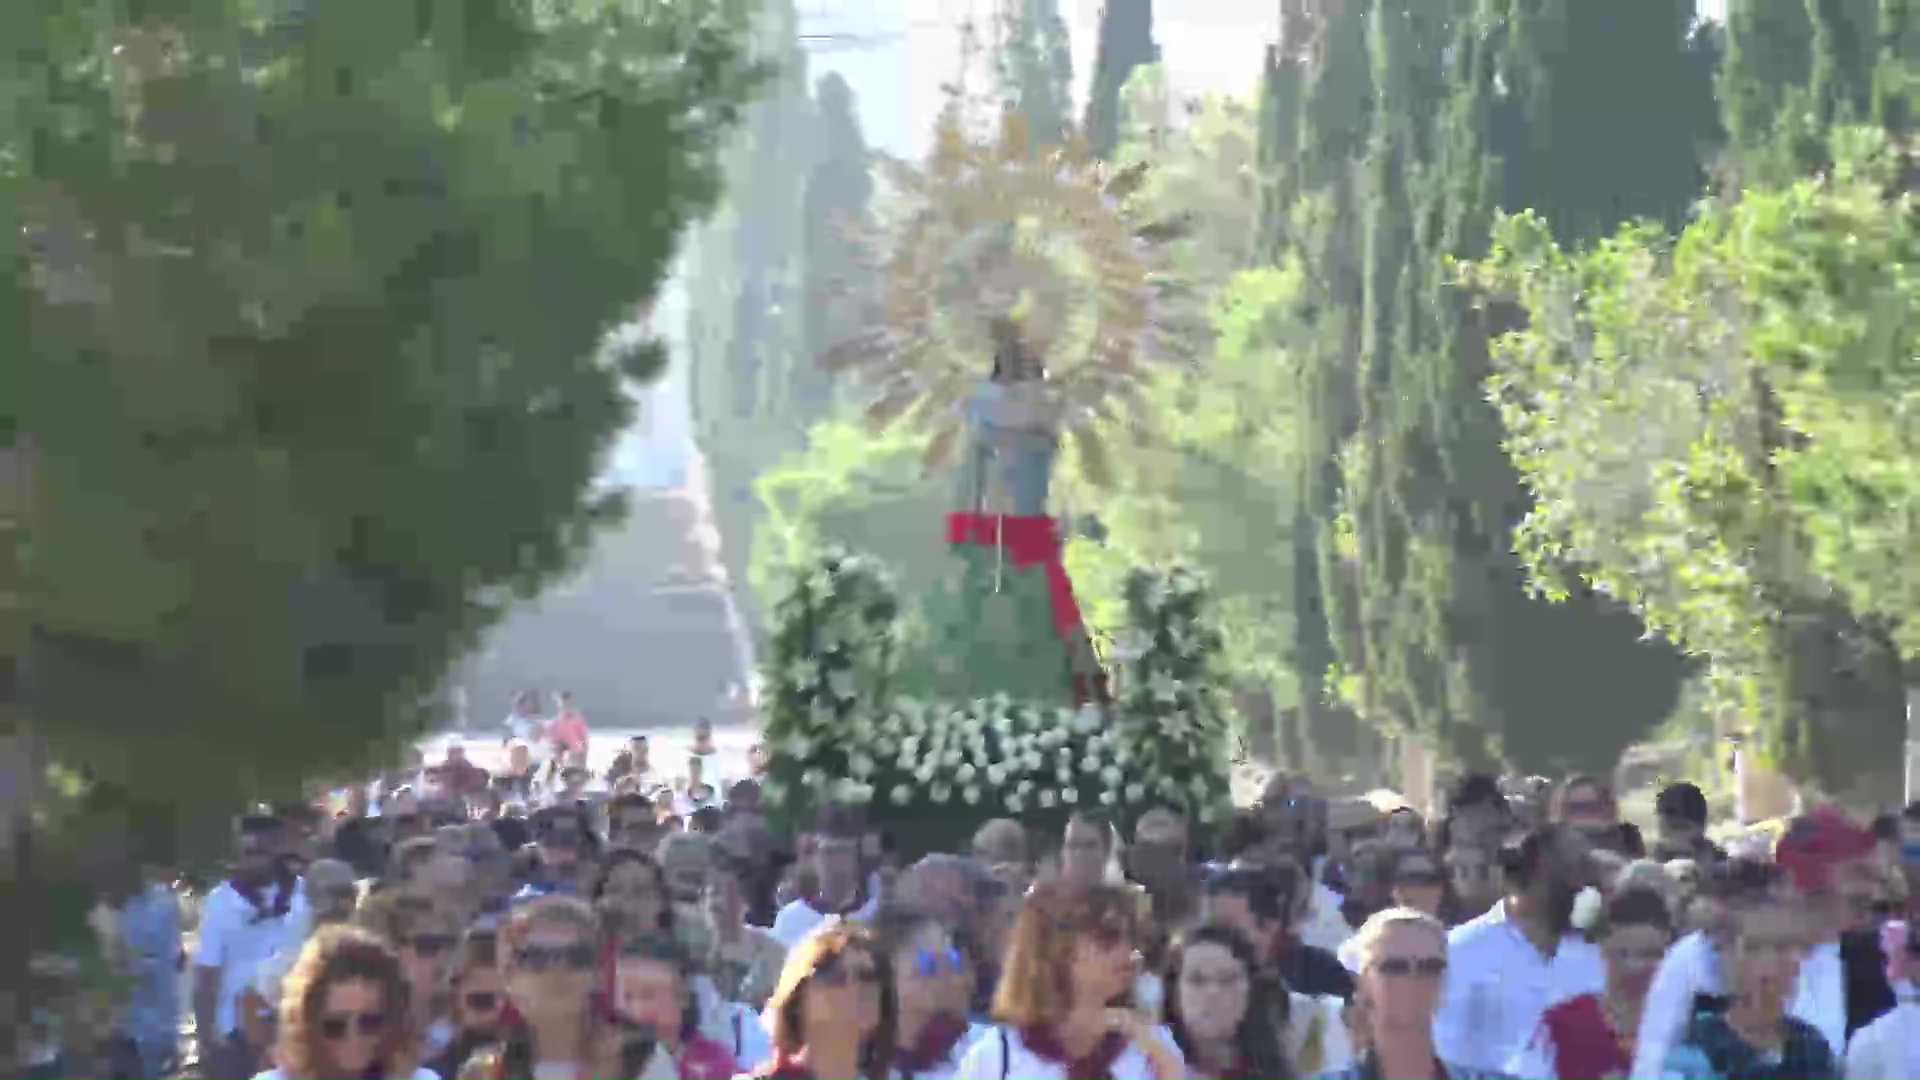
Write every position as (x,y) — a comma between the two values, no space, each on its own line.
(831,1016)
(1072,954)
(1219,1008)
(550,957)
(344,1012)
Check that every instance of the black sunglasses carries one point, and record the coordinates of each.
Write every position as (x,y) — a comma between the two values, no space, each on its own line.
(482,1001)
(1427,967)
(548,958)
(335,1028)
(432,944)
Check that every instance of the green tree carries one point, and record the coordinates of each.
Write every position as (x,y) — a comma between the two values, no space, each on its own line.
(836,213)
(748,294)
(1126,42)
(1033,67)
(1711,430)
(1415,121)
(304,326)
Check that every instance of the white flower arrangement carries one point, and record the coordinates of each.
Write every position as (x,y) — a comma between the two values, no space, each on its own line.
(834,733)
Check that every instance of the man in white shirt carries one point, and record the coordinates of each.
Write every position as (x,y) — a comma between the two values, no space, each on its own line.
(243,921)
(1889,1047)
(709,755)
(836,864)
(1507,967)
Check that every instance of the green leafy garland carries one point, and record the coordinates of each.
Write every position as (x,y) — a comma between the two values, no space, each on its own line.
(934,771)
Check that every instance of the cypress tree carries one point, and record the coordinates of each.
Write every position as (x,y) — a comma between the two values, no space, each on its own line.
(1466,106)
(836,210)
(1126,42)
(1034,67)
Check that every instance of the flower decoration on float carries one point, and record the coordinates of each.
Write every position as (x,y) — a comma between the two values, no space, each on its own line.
(957,764)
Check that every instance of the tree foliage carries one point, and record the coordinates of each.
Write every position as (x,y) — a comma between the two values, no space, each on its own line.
(1714,432)
(1033,69)
(304,332)
(1392,131)
(1126,43)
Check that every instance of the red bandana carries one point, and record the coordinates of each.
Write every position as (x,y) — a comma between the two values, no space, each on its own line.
(934,1046)
(1044,1043)
(1585,1046)
(783,1067)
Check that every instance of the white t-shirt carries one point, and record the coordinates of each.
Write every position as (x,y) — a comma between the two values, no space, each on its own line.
(235,940)
(710,771)
(1001,1053)
(798,919)
(1888,1048)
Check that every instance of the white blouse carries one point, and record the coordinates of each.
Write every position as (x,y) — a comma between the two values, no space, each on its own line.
(1001,1055)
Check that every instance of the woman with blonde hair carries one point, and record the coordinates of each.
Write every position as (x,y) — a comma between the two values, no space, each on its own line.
(1070,959)
(425,934)
(344,1011)
(1403,958)
(551,952)
(831,1015)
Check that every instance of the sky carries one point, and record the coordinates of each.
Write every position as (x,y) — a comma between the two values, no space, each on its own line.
(1205,45)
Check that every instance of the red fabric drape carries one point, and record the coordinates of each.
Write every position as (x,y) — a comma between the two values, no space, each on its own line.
(1034,540)
(1029,541)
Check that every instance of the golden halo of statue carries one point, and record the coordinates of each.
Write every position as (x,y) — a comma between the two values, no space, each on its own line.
(1054,241)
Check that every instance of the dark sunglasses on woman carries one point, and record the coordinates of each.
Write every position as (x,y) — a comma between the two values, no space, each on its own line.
(837,976)
(564,957)
(1427,967)
(335,1028)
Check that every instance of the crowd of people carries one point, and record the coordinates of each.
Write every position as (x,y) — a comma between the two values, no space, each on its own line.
(510,926)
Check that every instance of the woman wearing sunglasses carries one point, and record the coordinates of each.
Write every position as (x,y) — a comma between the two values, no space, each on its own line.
(344,1012)
(551,963)
(478,1000)
(831,1016)
(1403,957)
(653,1000)
(1591,1037)
(932,985)
(1071,956)
(424,934)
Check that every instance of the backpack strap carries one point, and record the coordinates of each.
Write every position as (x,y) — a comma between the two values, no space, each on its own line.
(1006,1054)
